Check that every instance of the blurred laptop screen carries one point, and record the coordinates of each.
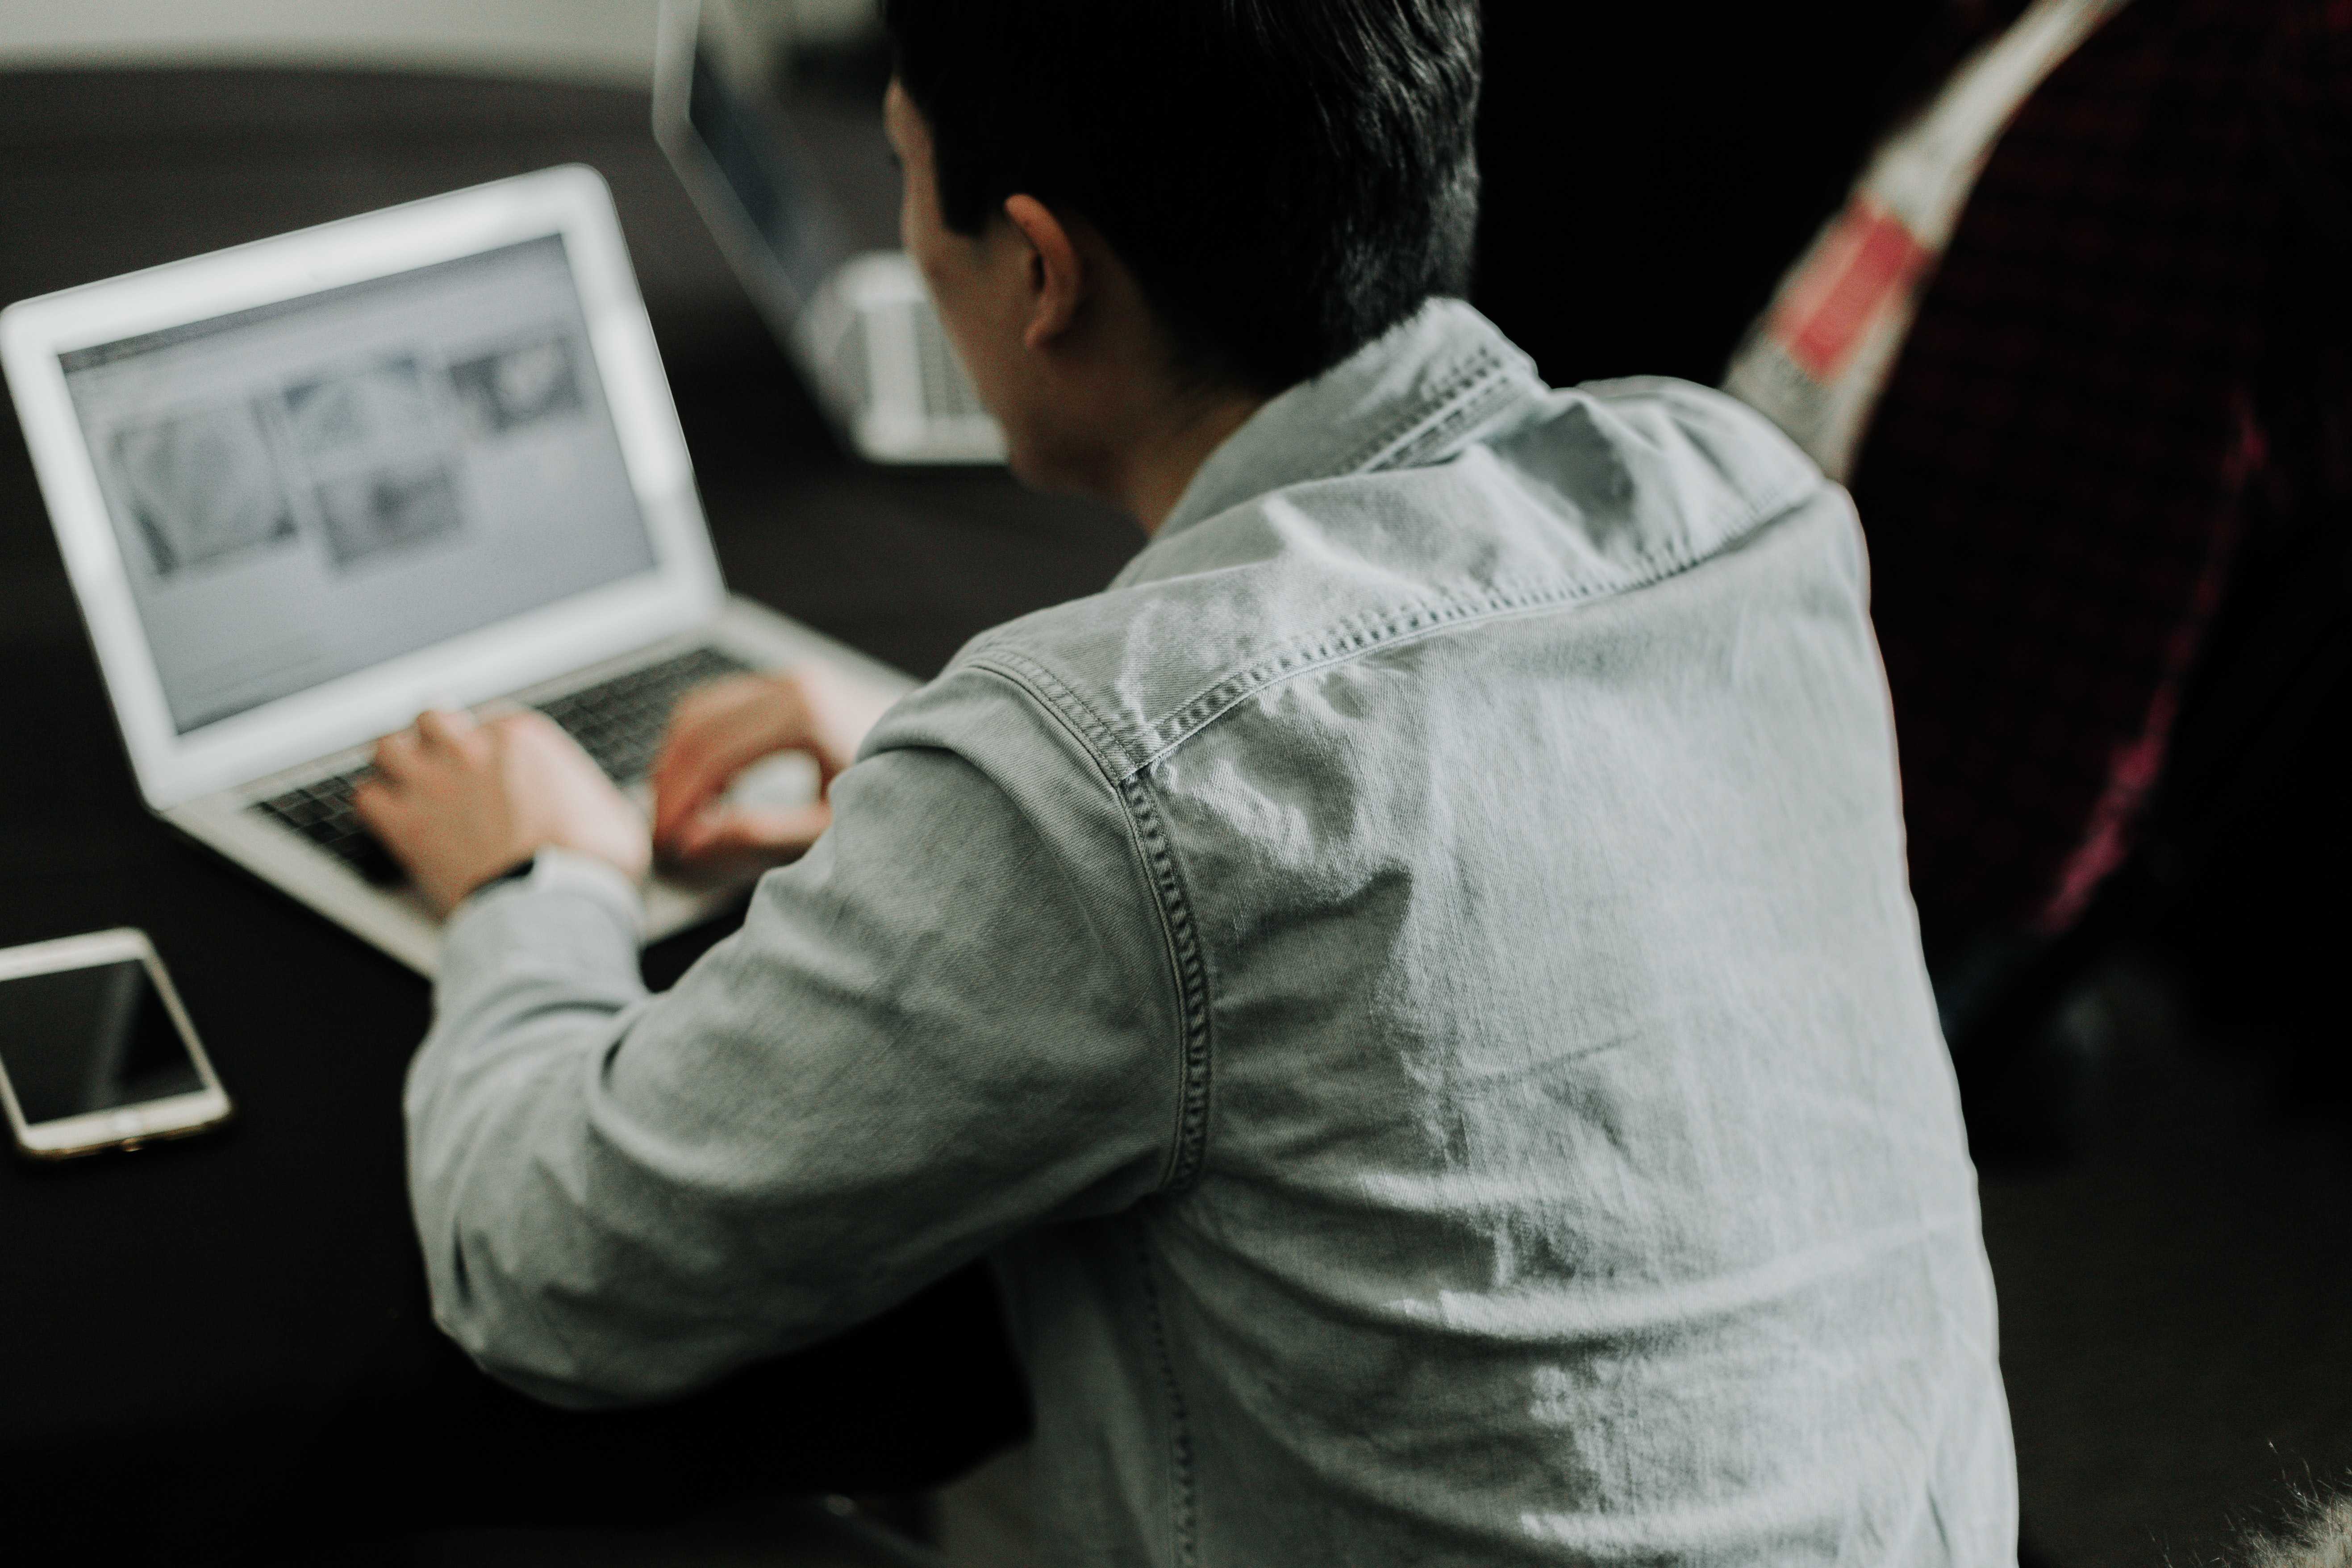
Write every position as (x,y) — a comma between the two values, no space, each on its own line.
(760,175)
(306,490)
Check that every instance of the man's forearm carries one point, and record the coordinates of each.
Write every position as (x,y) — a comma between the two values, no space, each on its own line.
(535,977)
(926,1037)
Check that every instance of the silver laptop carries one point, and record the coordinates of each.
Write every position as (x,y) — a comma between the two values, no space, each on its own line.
(307,487)
(857,321)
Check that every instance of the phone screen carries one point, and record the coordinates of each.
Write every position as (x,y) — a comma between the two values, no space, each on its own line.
(73,1041)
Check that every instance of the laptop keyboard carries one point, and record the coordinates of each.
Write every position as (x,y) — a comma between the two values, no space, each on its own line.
(322,812)
(619,722)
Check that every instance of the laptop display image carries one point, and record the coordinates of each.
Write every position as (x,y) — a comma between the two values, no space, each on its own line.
(307,489)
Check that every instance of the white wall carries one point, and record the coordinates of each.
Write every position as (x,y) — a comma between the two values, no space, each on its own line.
(575,40)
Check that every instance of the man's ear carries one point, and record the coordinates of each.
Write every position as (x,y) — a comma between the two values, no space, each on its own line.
(1057,279)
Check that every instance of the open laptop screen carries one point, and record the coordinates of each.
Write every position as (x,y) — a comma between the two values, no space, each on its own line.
(306,490)
(760,175)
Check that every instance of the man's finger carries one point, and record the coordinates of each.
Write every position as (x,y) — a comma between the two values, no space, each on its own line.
(698,705)
(719,730)
(534,724)
(684,785)
(377,806)
(396,755)
(688,792)
(701,723)
(683,747)
(446,727)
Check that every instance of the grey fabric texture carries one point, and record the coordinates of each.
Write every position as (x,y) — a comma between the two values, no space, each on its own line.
(1414,988)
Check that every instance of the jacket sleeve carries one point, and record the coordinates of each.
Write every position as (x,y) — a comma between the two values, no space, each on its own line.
(954,1019)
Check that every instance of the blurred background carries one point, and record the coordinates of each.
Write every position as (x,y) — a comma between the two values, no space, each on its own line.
(2105,485)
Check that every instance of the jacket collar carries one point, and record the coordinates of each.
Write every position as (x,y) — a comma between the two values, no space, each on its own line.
(1416,394)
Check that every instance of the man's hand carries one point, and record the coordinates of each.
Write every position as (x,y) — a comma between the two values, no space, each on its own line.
(459,801)
(723,728)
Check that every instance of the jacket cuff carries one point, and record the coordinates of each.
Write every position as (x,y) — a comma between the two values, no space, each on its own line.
(566,906)
(555,869)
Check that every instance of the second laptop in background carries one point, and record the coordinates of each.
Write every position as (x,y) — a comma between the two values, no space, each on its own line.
(854,317)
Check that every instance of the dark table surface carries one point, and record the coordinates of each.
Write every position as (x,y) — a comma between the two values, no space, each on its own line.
(186,1332)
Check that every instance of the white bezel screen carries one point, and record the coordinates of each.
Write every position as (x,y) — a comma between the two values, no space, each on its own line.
(309,486)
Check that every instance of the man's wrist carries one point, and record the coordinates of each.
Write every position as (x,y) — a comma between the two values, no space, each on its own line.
(552,867)
(514,873)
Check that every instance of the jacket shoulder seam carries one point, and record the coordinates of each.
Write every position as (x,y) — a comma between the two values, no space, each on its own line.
(1359,636)
(1154,860)
(1192,975)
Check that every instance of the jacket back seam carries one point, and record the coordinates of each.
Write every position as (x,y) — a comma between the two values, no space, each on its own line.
(1116,756)
(1184,1502)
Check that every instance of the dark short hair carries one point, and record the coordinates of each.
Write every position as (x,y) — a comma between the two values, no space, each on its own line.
(1287,179)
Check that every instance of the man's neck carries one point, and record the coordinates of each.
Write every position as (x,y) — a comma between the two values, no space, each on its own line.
(1155,470)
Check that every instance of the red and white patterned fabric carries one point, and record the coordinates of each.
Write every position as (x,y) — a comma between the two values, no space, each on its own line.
(2053,478)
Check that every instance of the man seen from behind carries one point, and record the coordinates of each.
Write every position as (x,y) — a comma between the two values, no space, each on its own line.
(1411,988)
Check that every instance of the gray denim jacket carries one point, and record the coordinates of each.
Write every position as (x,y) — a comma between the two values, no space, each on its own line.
(1414,988)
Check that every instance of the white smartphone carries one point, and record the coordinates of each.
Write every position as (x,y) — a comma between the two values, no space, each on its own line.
(96,1051)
